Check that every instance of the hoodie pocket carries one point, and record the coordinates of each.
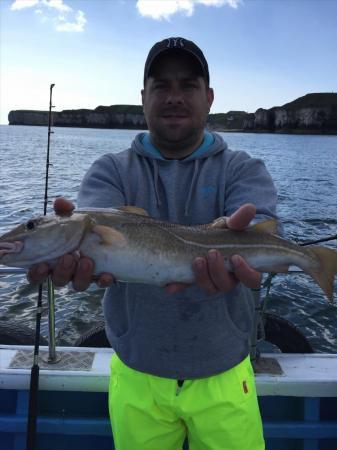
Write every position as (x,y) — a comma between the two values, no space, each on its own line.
(205,329)
(121,314)
(240,311)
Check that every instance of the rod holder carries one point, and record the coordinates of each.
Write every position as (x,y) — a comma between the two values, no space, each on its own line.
(52,357)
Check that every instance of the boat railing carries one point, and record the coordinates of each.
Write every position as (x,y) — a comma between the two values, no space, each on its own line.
(4,270)
(11,270)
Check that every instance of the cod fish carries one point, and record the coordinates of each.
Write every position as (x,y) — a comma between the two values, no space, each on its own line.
(137,248)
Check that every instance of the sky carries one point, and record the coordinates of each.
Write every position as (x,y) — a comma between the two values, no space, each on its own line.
(261,53)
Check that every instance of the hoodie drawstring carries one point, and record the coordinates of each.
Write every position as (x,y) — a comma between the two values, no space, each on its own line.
(155,182)
(193,182)
(190,192)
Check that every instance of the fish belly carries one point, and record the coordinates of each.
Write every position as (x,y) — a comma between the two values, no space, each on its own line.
(138,265)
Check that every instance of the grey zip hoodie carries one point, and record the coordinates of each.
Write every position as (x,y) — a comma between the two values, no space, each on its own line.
(189,334)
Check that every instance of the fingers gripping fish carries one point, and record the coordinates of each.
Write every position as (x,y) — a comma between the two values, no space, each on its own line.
(137,248)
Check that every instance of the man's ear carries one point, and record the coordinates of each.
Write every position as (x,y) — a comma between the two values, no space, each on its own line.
(210,97)
(142,94)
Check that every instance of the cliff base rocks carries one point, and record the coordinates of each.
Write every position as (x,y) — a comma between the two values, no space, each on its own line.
(310,114)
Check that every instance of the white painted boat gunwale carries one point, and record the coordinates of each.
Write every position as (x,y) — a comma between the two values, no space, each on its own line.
(305,375)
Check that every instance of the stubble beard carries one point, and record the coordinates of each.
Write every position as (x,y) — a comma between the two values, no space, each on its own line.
(179,139)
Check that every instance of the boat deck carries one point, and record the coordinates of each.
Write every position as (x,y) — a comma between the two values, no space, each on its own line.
(298,403)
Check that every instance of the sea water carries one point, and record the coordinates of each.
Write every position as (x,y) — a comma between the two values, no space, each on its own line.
(304,170)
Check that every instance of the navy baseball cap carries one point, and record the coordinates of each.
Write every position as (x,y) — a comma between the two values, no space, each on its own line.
(177,44)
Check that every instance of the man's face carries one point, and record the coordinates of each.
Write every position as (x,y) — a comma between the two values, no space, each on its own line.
(176,101)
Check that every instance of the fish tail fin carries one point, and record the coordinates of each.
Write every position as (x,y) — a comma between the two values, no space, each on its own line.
(328,269)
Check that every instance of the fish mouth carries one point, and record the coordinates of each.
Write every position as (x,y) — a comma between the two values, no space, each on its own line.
(10,247)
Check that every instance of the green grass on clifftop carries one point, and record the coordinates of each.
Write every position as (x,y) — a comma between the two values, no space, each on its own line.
(320,100)
(121,109)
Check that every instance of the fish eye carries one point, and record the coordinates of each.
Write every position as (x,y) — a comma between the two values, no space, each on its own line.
(30,225)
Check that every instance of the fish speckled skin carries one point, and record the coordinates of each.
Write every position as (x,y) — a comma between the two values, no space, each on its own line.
(137,248)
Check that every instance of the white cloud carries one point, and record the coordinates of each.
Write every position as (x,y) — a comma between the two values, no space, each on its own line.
(78,25)
(163,9)
(21,4)
(57,4)
(232,3)
(66,19)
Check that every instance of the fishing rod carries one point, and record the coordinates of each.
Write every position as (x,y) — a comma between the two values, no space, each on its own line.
(318,241)
(51,304)
(35,370)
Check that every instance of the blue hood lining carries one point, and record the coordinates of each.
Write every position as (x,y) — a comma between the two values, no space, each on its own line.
(151,150)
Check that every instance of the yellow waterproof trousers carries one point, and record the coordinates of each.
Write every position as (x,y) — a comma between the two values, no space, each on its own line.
(153,413)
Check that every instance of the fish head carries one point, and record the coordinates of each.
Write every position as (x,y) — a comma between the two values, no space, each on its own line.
(42,239)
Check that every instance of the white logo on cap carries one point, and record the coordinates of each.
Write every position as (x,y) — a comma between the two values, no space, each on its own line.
(175,43)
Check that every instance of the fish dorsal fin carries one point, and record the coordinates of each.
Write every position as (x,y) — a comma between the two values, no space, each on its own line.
(267,226)
(133,210)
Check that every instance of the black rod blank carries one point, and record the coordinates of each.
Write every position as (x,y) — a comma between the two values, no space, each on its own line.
(35,370)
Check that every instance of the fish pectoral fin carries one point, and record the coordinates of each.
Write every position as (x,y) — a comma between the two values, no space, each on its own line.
(109,235)
(133,210)
(267,226)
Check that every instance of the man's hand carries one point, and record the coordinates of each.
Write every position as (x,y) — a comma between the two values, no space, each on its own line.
(211,275)
(70,267)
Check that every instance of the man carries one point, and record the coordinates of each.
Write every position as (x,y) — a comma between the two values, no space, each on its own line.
(182,364)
